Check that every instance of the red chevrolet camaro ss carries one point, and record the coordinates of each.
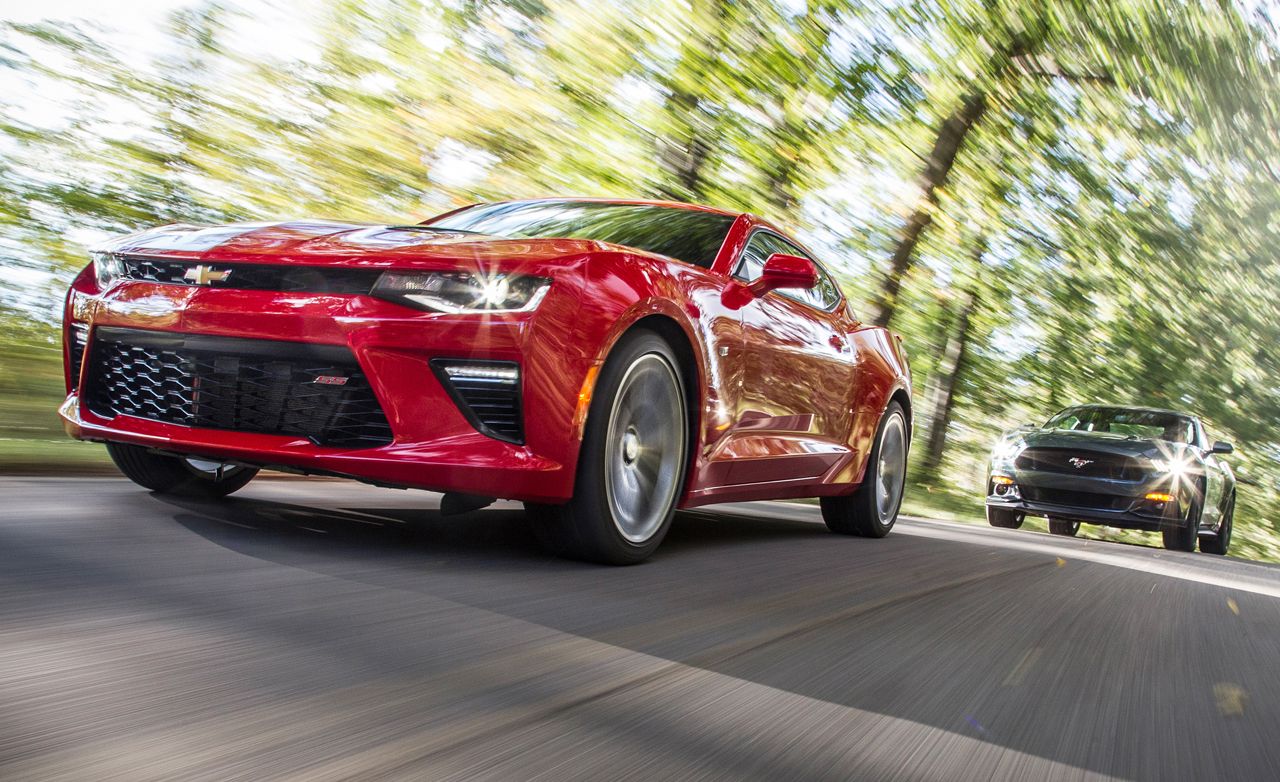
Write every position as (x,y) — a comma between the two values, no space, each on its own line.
(605,362)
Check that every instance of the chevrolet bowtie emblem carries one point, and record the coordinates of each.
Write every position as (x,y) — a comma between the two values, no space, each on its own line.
(205,275)
(1079,463)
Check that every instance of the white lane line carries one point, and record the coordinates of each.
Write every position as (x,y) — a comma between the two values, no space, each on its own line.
(1022,541)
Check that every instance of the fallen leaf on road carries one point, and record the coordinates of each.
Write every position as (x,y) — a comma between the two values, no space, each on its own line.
(1231,699)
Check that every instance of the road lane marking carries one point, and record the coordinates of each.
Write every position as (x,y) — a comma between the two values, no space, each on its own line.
(1019,671)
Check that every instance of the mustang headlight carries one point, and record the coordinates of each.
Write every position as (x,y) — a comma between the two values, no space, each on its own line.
(1006,449)
(1173,467)
(107,269)
(462,292)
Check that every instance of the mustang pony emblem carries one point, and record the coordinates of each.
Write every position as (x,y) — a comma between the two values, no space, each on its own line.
(205,275)
(1078,463)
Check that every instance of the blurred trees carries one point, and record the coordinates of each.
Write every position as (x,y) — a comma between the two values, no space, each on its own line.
(1054,202)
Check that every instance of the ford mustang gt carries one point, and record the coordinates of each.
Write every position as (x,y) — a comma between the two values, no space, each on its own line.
(1126,467)
(604,362)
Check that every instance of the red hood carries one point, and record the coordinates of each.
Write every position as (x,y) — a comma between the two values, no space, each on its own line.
(323,242)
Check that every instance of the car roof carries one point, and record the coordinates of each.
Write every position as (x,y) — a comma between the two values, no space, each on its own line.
(622,202)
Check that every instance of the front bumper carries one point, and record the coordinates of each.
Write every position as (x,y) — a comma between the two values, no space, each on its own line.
(1120,504)
(434,444)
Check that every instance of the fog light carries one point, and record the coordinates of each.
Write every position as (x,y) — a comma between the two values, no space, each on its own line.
(1157,496)
(1004,487)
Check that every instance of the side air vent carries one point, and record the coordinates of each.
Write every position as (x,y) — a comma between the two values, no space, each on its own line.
(487,393)
(79,339)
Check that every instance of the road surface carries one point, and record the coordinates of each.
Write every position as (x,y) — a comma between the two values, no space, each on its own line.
(327,630)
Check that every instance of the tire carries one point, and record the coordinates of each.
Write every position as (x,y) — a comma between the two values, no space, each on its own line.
(1064,527)
(1218,544)
(872,509)
(1005,519)
(633,461)
(1183,537)
(176,475)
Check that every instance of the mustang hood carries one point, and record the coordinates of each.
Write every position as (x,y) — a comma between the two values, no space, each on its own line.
(322,242)
(1100,441)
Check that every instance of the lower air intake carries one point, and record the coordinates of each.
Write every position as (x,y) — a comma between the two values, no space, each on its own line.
(243,385)
(487,393)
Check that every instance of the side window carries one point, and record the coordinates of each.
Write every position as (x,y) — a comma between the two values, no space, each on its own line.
(762,244)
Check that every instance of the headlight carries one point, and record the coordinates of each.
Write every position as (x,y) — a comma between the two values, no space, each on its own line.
(1174,467)
(462,292)
(1006,450)
(107,269)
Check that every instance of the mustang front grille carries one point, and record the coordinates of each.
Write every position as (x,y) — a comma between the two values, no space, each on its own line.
(1075,499)
(245,385)
(1085,464)
(250,276)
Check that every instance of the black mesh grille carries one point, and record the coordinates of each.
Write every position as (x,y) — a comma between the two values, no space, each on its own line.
(1086,464)
(1076,499)
(79,338)
(246,385)
(491,404)
(249,276)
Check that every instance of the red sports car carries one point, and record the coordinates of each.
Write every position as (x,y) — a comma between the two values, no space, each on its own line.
(605,362)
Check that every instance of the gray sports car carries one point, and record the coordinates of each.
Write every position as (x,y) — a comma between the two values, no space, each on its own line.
(1129,467)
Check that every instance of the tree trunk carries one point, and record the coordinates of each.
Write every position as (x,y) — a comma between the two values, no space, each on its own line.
(941,394)
(685,148)
(951,136)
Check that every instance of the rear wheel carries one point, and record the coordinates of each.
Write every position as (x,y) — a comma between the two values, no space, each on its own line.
(1219,543)
(1183,537)
(1064,527)
(178,475)
(632,464)
(872,510)
(1006,519)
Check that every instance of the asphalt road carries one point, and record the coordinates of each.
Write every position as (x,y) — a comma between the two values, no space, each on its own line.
(326,630)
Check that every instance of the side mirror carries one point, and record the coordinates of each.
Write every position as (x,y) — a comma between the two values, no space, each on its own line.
(1221,447)
(784,271)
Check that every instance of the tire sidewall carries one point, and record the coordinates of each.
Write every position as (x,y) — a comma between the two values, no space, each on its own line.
(872,476)
(590,499)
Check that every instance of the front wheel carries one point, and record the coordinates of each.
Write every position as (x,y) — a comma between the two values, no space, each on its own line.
(1183,537)
(1218,544)
(632,464)
(1005,519)
(178,475)
(1064,527)
(872,510)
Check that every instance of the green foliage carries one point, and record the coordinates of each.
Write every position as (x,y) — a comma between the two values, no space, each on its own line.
(1112,211)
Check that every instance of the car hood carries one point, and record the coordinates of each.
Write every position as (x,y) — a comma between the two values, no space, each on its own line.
(1100,441)
(331,243)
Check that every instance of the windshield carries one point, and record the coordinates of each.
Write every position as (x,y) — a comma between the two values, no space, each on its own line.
(688,235)
(1145,424)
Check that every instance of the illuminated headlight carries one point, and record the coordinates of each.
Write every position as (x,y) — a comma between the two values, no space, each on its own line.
(462,292)
(107,269)
(1006,450)
(1172,467)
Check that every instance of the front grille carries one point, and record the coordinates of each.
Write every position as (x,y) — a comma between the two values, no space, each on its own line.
(1091,464)
(244,385)
(1075,499)
(252,276)
(79,339)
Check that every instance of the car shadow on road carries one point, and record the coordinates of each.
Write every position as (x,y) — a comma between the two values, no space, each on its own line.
(903,626)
